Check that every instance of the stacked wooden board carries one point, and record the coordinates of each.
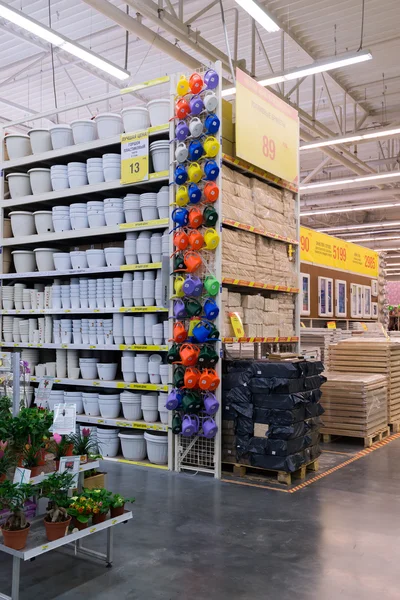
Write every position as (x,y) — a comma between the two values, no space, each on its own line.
(372,356)
(355,404)
(319,337)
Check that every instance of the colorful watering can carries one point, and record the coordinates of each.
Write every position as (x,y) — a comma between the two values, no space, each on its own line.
(181,152)
(191,401)
(202,331)
(211,239)
(196,240)
(211,192)
(196,127)
(208,356)
(180,216)
(211,170)
(179,332)
(211,309)
(179,377)
(210,428)
(196,150)
(189,354)
(211,404)
(211,146)
(193,307)
(212,285)
(192,324)
(196,218)
(182,131)
(174,399)
(197,105)
(176,425)
(211,79)
(192,286)
(191,378)
(212,124)
(209,380)
(192,260)
(195,83)
(182,108)
(210,216)
(180,175)
(195,172)
(194,193)
(179,309)
(182,87)
(190,425)
(181,240)
(179,263)
(178,286)
(173,354)
(210,101)
(182,196)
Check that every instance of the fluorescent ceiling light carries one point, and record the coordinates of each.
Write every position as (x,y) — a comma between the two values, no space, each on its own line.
(332,211)
(58,40)
(338,182)
(351,138)
(361,226)
(259,14)
(373,239)
(319,66)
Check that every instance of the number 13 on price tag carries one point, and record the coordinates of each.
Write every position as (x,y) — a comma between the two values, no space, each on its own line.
(134,157)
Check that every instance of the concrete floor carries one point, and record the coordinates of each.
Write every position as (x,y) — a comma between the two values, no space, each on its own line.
(193,537)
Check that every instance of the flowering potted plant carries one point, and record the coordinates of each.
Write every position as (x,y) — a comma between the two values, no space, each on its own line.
(81,509)
(31,457)
(117,504)
(33,424)
(84,444)
(55,489)
(102,501)
(7,460)
(16,528)
(60,445)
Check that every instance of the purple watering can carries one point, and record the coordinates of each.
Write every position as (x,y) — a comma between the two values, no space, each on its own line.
(211,79)
(211,403)
(182,131)
(174,400)
(192,286)
(179,309)
(196,105)
(210,428)
(190,425)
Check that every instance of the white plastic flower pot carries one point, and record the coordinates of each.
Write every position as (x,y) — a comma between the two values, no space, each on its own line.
(40,140)
(84,130)
(157,447)
(78,260)
(19,185)
(22,223)
(95,258)
(62,261)
(107,371)
(43,221)
(160,158)
(40,181)
(88,370)
(44,259)
(109,447)
(114,257)
(159,111)
(109,125)
(131,409)
(133,445)
(24,261)
(61,136)
(18,145)
(135,118)
(91,406)
(110,406)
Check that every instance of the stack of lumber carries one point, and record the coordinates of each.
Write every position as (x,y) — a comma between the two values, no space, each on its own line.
(321,338)
(355,404)
(371,356)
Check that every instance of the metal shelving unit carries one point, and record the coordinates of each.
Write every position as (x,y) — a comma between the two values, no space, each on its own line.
(115,385)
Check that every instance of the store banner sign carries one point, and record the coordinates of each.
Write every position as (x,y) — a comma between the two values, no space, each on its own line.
(334,253)
(134,157)
(267,129)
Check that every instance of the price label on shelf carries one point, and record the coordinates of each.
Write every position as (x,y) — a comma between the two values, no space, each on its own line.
(134,157)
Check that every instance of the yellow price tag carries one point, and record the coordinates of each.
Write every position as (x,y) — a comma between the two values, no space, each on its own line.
(331,324)
(237,324)
(134,157)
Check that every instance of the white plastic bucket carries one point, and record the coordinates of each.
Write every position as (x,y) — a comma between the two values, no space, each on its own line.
(157,447)
(159,111)
(18,145)
(135,118)
(133,445)
(40,140)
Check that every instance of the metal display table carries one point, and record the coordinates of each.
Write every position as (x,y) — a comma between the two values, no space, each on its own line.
(37,544)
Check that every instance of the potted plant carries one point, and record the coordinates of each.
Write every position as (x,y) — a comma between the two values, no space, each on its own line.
(7,460)
(84,444)
(102,503)
(55,489)
(81,509)
(31,458)
(5,417)
(33,424)
(16,528)
(117,504)
(60,445)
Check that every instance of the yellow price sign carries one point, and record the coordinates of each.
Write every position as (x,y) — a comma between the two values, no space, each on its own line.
(331,324)
(134,157)
(237,324)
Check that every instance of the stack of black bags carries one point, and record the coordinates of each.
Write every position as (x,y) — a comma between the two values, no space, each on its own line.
(275,408)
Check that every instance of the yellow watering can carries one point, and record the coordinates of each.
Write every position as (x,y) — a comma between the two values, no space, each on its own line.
(182,196)
(211,239)
(195,172)
(178,286)
(211,146)
(182,87)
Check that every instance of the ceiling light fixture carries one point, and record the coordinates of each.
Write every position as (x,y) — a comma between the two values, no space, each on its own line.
(361,226)
(332,211)
(319,66)
(373,239)
(351,138)
(259,14)
(58,40)
(336,182)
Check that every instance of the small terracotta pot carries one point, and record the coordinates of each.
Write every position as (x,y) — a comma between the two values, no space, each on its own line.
(69,451)
(117,512)
(42,457)
(16,539)
(56,464)
(78,525)
(99,518)
(35,471)
(55,531)
(2,478)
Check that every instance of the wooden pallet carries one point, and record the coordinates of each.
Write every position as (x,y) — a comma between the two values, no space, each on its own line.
(369,440)
(394,427)
(282,477)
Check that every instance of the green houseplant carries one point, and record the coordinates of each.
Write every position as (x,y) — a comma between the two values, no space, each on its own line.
(33,424)
(117,504)
(16,528)
(84,444)
(7,459)
(102,500)
(60,445)
(55,489)
(81,508)
(31,457)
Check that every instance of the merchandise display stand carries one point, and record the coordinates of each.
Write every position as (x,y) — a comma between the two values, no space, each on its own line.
(38,545)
